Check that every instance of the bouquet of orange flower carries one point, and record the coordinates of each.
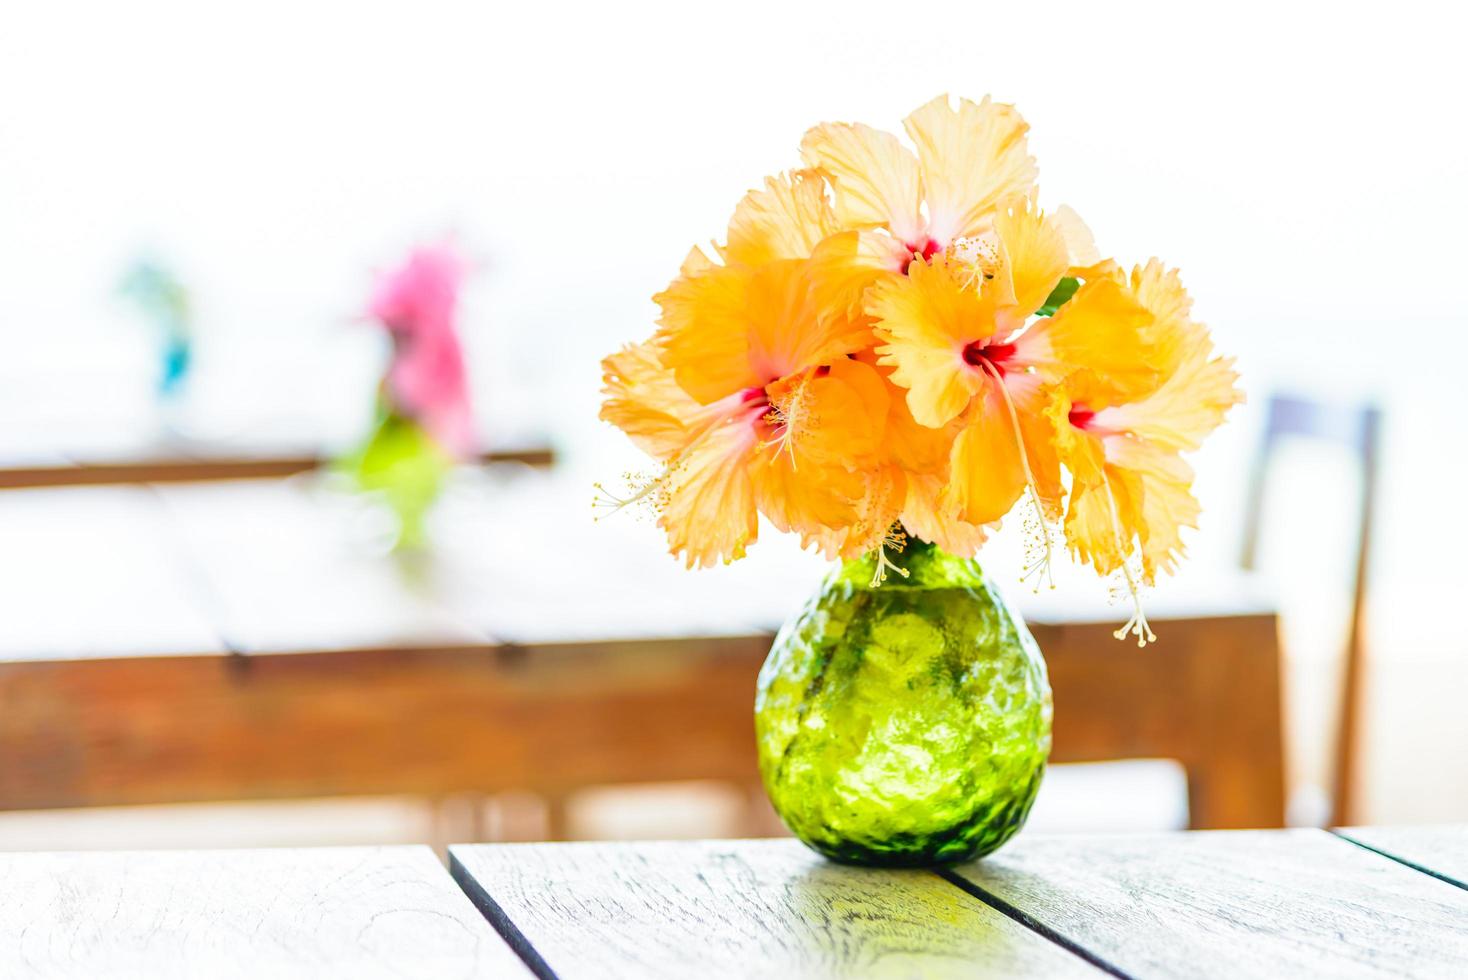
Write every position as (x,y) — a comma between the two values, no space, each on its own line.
(898,342)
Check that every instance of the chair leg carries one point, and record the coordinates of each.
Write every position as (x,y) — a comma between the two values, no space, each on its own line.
(557,817)
(1236,772)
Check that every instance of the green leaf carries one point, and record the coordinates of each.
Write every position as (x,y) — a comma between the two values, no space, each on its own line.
(1059,296)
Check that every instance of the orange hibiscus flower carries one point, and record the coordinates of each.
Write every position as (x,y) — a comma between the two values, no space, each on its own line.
(957,332)
(1131,493)
(896,341)
(748,397)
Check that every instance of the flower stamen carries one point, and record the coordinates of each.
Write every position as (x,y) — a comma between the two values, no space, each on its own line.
(788,416)
(641,489)
(1040,567)
(896,539)
(1138,624)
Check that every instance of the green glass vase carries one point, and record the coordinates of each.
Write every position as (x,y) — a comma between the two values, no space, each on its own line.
(904,723)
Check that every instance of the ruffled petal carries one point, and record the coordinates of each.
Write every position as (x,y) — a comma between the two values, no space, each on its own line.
(926,319)
(1162,480)
(844,266)
(705,330)
(834,415)
(875,178)
(1086,261)
(732,328)
(808,499)
(1091,528)
(972,157)
(1199,388)
(785,220)
(708,499)
(823,431)
(1080,451)
(928,514)
(1102,328)
(914,447)
(1029,398)
(644,401)
(789,331)
(1033,256)
(884,491)
(987,474)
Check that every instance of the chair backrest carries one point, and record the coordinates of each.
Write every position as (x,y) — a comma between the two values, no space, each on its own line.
(1207,696)
(1358,428)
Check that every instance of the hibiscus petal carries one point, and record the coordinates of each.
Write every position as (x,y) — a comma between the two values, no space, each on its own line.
(788,329)
(644,400)
(1161,480)
(875,177)
(987,474)
(704,332)
(1199,389)
(926,319)
(785,220)
(931,517)
(1033,255)
(844,266)
(1091,528)
(884,490)
(1102,328)
(972,157)
(809,498)
(709,501)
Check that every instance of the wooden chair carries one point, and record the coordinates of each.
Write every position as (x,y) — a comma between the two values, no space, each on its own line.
(1358,428)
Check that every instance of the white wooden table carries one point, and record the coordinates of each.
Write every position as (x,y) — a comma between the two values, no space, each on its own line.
(1383,902)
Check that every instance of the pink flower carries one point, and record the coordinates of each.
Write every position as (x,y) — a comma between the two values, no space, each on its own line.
(426,380)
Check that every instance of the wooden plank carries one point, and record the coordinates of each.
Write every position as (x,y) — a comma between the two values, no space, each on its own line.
(1440,850)
(182,467)
(412,721)
(741,909)
(1232,904)
(327,912)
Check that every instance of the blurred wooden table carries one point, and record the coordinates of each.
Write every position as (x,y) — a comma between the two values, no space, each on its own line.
(254,640)
(1229,904)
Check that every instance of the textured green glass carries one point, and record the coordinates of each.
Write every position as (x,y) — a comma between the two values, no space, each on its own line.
(905,723)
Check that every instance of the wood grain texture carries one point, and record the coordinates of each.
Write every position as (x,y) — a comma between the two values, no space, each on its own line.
(327,912)
(1233,904)
(1440,850)
(744,909)
(408,721)
(1208,697)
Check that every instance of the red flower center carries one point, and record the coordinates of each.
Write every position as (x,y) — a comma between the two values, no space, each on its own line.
(926,249)
(1080,416)
(981,352)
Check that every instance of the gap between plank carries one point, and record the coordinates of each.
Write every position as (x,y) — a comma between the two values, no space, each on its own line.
(496,916)
(1029,922)
(1401,860)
